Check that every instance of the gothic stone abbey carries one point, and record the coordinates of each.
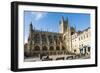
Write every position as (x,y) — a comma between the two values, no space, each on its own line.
(56,44)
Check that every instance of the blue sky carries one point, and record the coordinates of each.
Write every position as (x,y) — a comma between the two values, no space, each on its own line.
(50,21)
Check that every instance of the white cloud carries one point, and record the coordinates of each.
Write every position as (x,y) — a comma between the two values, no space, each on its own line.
(26,38)
(38,15)
(25,41)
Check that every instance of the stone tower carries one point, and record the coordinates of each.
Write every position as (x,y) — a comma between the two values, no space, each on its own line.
(61,28)
(66,31)
(63,25)
(67,36)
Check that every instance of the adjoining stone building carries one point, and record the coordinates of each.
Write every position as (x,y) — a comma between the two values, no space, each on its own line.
(81,41)
(51,43)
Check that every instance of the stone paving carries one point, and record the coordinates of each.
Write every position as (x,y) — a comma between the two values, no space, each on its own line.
(58,57)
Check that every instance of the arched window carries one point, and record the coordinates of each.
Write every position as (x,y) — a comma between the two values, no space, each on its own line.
(44,40)
(55,37)
(50,39)
(63,48)
(36,38)
(36,48)
(88,49)
(57,48)
(60,38)
(75,51)
(51,48)
(44,48)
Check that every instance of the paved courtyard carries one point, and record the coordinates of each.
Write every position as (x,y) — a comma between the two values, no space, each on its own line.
(57,57)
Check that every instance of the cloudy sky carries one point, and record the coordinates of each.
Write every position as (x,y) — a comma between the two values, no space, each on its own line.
(49,21)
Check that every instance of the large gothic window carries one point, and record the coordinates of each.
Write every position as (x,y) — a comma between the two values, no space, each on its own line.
(55,38)
(44,48)
(36,38)
(44,41)
(88,49)
(51,48)
(50,39)
(36,48)
(63,48)
(57,48)
(60,38)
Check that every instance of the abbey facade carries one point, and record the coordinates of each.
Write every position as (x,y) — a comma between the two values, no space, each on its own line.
(66,42)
